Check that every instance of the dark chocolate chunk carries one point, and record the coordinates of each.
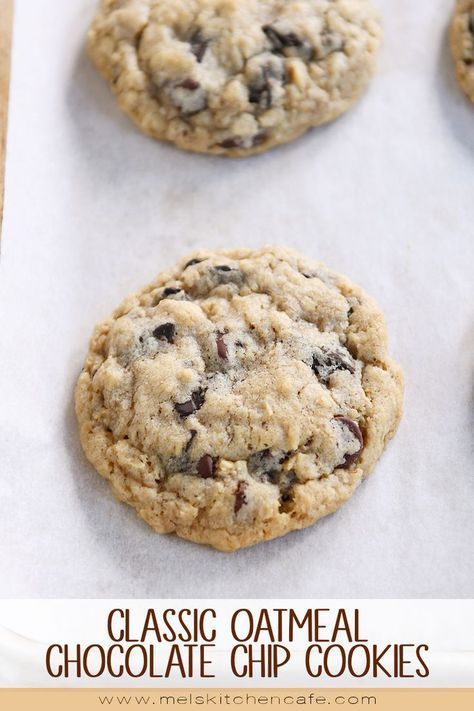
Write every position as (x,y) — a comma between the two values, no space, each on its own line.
(182,463)
(471,22)
(198,397)
(199,45)
(235,142)
(280,39)
(221,346)
(240,496)
(170,291)
(192,435)
(166,331)
(206,467)
(185,408)
(187,96)
(262,93)
(266,464)
(192,263)
(288,44)
(286,484)
(290,40)
(255,94)
(257,463)
(224,274)
(259,138)
(350,459)
(191,406)
(326,362)
(189,84)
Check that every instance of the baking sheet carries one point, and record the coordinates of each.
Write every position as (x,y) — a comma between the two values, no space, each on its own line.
(94,209)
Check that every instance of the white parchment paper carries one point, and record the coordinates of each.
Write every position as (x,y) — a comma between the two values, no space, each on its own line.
(94,210)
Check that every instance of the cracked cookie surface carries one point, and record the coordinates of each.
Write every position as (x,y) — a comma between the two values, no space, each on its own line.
(462,45)
(242,395)
(234,77)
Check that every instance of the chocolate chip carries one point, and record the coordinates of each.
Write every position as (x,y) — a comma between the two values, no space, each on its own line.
(206,467)
(240,496)
(266,464)
(272,35)
(192,263)
(185,408)
(221,346)
(198,397)
(187,96)
(191,406)
(471,22)
(290,40)
(257,463)
(262,93)
(288,44)
(255,94)
(350,459)
(183,462)
(279,39)
(166,331)
(232,143)
(286,484)
(170,291)
(189,84)
(192,435)
(326,362)
(224,274)
(259,138)
(198,45)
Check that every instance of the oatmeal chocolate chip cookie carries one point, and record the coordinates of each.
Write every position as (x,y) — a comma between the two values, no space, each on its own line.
(234,77)
(462,44)
(243,394)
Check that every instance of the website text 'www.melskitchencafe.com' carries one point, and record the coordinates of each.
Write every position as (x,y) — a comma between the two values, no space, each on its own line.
(246,700)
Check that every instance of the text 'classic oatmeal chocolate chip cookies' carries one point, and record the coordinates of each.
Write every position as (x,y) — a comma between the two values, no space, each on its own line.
(234,77)
(462,44)
(240,396)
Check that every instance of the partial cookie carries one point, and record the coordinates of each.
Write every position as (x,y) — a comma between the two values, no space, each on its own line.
(234,77)
(242,395)
(462,44)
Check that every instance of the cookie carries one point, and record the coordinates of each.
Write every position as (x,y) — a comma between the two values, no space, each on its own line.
(240,396)
(462,45)
(234,77)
